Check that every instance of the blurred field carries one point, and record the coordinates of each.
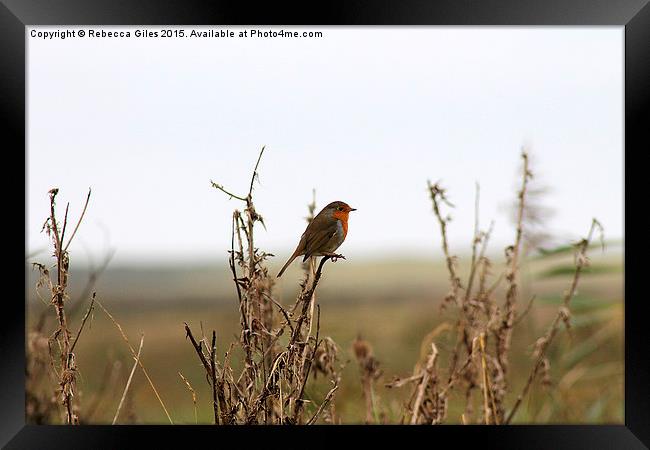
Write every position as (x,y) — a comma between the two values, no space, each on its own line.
(392,303)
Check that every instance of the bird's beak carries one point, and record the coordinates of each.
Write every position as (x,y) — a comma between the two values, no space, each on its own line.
(353,209)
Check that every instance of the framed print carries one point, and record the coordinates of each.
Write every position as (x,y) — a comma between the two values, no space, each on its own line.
(364,219)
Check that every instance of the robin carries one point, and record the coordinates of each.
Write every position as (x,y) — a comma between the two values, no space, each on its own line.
(324,234)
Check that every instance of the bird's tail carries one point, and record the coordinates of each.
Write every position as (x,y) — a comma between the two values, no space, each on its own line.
(294,256)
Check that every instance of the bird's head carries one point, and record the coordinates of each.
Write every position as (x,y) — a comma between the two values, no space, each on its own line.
(339,210)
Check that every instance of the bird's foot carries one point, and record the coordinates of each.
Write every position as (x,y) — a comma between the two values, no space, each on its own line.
(335,256)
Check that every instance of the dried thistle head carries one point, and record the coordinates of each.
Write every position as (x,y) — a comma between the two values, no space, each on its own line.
(368,364)
(325,358)
(361,348)
(68,382)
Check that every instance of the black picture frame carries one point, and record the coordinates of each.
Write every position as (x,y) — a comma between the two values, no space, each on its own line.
(634,15)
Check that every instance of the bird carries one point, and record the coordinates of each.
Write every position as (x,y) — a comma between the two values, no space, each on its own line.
(324,234)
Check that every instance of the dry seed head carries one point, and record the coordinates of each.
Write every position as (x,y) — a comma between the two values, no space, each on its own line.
(325,357)
(362,349)
(68,379)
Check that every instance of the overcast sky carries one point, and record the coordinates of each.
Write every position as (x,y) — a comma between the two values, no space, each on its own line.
(363,115)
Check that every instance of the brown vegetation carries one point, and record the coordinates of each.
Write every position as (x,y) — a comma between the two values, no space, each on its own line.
(262,378)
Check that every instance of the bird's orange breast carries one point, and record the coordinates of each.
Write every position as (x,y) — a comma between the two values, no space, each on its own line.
(343,217)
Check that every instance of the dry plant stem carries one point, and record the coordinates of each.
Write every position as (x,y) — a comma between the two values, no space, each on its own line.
(254,307)
(475,241)
(284,313)
(138,360)
(231,260)
(65,249)
(455,376)
(367,393)
(213,373)
(403,381)
(197,347)
(305,299)
(243,309)
(562,316)
(225,414)
(486,408)
(299,400)
(58,296)
(65,223)
(490,390)
(504,332)
(437,196)
(487,389)
(191,389)
(128,383)
(83,322)
(310,273)
(217,383)
(483,296)
(67,375)
(426,376)
(323,405)
(467,323)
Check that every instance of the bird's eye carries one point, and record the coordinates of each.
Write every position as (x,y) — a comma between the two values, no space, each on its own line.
(340,208)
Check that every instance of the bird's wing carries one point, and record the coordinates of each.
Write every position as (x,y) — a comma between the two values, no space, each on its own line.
(318,238)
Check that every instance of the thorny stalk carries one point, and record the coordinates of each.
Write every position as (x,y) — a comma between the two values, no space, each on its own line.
(271,385)
(68,371)
(427,375)
(563,315)
(438,196)
(481,320)
(504,333)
